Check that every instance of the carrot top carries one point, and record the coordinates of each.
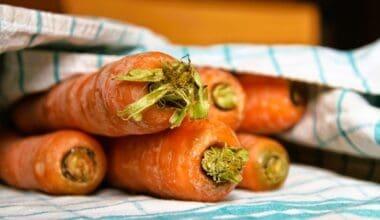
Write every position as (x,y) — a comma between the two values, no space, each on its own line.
(224,164)
(176,84)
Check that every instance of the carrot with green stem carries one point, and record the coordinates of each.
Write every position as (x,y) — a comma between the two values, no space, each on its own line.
(200,160)
(62,162)
(272,105)
(226,96)
(139,94)
(268,164)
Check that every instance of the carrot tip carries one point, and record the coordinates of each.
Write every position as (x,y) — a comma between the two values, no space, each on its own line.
(79,165)
(275,167)
(224,96)
(224,164)
(177,85)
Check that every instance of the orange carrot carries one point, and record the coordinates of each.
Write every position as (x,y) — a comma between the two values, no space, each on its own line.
(268,163)
(200,160)
(225,94)
(272,105)
(139,94)
(62,162)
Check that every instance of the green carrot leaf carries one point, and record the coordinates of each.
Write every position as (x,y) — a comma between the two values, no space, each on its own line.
(142,75)
(134,110)
(178,117)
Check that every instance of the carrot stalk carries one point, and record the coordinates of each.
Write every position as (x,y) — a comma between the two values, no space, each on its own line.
(200,160)
(273,105)
(62,162)
(139,94)
(268,164)
(226,96)
(176,84)
(224,164)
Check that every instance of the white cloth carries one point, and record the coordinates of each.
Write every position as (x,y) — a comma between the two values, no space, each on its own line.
(338,119)
(309,192)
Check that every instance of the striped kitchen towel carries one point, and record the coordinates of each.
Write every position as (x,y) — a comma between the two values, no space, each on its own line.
(40,49)
(338,119)
(308,193)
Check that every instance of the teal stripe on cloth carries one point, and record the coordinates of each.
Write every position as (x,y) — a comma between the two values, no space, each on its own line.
(228,57)
(327,141)
(139,207)
(21,73)
(120,40)
(140,39)
(348,132)
(72,26)
(99,60)
(377,133)
(340,127)
(118,203)
(274,210)
(274,61)
(45,199)
(185,51)
(99,30)
(315,126)
(38,28)
(140,42)
(319,64)
(56,66)
(356,70)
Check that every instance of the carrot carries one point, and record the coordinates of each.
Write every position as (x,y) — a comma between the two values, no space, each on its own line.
(62,162)
(272,105)
(225,95)
(268,164)
(200,160)
(139,94)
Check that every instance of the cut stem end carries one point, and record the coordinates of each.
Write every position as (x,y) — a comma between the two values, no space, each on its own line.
(275,168)
(78,165)
(224,164)
(175,85)
(224,97)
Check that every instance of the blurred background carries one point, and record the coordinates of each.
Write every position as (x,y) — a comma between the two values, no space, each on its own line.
(335,23)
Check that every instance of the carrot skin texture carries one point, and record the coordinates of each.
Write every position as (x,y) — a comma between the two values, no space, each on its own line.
(212,77)
(168,164)
(90,102)
(268,107)
(35,162)
(254,176)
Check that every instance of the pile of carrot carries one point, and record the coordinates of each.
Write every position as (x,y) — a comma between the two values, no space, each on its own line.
(151,124)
